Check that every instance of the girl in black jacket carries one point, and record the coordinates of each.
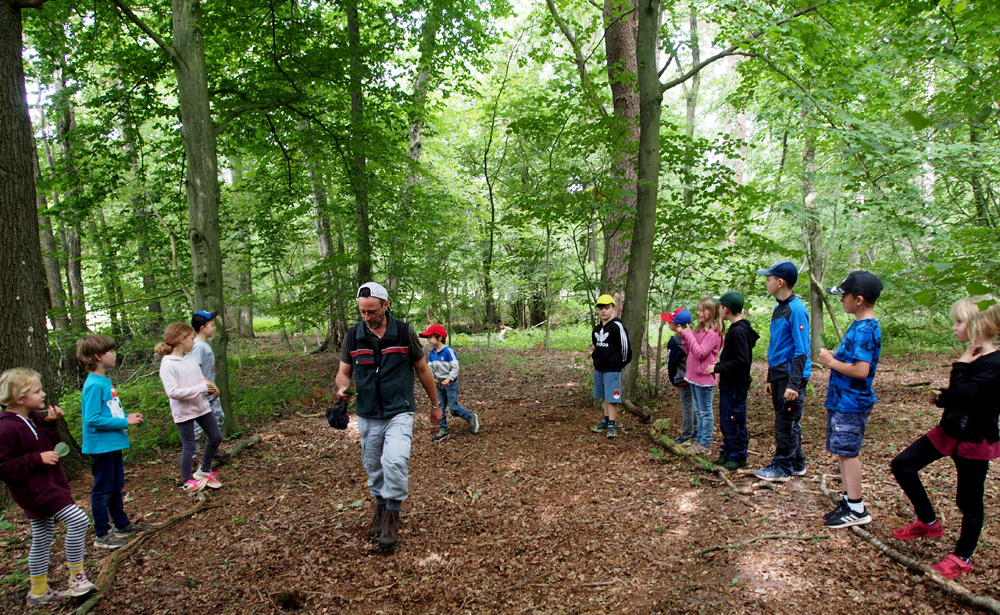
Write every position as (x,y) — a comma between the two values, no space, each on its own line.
(967,433)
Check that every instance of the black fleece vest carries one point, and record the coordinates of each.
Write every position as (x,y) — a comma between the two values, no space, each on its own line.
(383,372)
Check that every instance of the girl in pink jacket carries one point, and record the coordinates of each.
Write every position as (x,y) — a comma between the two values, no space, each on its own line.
(186,387)
(702,346)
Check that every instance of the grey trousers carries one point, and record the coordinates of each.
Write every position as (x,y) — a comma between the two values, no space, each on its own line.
(385,453)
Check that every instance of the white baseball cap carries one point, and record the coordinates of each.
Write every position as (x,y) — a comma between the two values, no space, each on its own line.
(374,289)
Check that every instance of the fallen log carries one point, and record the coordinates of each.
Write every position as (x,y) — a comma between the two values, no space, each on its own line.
(107,575)
(639,411)
(951,587)
(657,435)
(238,447)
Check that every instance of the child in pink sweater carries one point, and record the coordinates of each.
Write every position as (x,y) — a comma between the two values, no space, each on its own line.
(702,346)
(186,387)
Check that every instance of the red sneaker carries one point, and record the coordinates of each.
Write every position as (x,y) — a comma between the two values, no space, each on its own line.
(918,529)
(952,566)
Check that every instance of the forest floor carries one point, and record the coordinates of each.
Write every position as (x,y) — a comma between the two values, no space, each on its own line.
(535,514)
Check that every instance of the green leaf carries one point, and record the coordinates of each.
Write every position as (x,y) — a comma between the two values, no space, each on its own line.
(975,288)
(916,119)
(924,297)
(985,304)
(357,504)
(943,266)
(62,448)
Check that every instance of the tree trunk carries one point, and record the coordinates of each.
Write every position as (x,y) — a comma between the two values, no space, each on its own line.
(201,158)
(691,97)
(982,216)
(50,256)
(621,25)
(244,325)
(641,261)
(814,246)
(23,331)
(359,172)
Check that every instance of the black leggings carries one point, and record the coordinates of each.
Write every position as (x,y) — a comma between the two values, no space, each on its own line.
(971,486)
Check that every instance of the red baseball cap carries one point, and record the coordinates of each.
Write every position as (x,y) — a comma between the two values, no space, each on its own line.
(437,330)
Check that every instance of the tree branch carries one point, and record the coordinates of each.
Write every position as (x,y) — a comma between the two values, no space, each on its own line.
(124,8)
(581,63)
(270,104)
(27,4)
(732,49)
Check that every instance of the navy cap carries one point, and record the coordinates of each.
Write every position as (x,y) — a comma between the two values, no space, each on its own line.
(859,283)
(201,317)
(784,270)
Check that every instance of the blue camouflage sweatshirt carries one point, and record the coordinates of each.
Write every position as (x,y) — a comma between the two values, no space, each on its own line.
(788,350)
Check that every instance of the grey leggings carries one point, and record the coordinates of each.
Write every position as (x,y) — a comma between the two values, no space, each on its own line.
(44,530)
(189,444)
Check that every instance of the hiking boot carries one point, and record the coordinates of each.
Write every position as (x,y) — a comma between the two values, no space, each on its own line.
(773,474)
(952,566)
(841,505)
(847,517)
(378,520)
(390,531)
(109,541)
(612,431)
(474,423)
(211,479)
(48,597)
(130,530)
(440,436)
(79,586)
(732,466)
(195,485)
(721,460)
(602,426)
(918,529)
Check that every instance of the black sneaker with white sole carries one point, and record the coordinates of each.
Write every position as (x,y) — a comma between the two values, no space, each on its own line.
(841,505)
(847,518)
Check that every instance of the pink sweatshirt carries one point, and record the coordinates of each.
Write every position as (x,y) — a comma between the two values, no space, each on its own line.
(702,349)
(185,386)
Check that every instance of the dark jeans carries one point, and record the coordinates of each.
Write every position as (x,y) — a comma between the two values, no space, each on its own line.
(448,398)
(189,444)
(733,424)
(971,486)
(788,427)
(109,480)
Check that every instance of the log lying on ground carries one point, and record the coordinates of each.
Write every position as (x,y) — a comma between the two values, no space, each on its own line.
(239,446)
(107,576)
(657,435)
(639,411)
(951,587)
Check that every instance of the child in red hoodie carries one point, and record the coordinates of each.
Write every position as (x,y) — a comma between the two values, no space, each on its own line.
(34,476)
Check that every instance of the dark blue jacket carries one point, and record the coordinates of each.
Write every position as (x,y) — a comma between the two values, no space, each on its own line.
(676,361)
(788,350)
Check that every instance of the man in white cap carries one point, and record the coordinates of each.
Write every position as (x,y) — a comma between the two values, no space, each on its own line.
(383,354)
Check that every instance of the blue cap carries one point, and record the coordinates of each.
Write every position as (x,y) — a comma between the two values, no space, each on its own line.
(784,270)
(199,318)
(679,316)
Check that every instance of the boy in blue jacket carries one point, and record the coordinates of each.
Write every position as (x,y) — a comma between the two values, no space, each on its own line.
(105,436)
(788,371)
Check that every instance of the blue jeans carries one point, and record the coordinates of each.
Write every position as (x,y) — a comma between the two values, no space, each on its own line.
(733,424)
(702,398)
(448,398)
(109,480)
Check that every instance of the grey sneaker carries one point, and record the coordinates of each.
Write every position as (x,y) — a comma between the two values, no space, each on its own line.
(48,597)
(130,530)
(602,426)
(109,541)
(441,435)
(612,431)
(474,423)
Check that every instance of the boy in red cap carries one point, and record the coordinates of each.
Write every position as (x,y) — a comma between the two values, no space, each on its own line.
(444,366)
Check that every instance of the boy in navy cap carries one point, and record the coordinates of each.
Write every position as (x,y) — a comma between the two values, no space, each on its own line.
(676,369)
(203,324)
(850,397)
(788,371)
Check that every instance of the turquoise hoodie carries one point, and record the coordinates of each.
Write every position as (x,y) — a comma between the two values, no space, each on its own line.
(105,424)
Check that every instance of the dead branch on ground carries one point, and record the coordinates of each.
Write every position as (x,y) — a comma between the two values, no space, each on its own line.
(767,537)
(238,447)
(639,411)
(951,587)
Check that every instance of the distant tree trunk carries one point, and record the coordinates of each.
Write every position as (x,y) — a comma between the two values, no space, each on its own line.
(23,331)
(111,278)
(814,245)
(244,327)
(359,174)
(982,216)
(641,261)
(621,22)
(691,96)
(50,255)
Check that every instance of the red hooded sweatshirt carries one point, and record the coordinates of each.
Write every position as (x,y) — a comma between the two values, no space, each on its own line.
(39,489)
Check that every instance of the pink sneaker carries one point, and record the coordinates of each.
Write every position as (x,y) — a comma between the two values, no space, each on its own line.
(211,477)
(195,485)
(952,566)
(918,529)
(79,585)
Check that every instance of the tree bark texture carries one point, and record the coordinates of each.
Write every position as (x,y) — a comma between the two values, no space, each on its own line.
(360,176)
(50,256)
(641,261)
(202,183)
(23,332)
(813,232)
(621,23)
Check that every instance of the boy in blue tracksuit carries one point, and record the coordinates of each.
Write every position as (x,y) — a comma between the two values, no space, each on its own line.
(105,436)
(444,367)
(788,371)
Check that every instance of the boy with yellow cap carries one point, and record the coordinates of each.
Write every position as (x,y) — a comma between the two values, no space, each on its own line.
(612,353)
